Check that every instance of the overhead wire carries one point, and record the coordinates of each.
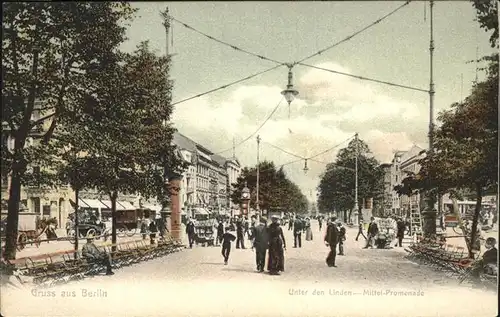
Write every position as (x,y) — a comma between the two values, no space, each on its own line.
(236,48)
(227,85)
(354,34)
(275,167)
(255,132)
(365,78)
(282,150)
(311,157)
(334,164)
(330,149)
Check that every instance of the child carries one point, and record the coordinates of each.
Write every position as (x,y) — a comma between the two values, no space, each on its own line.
(227,237)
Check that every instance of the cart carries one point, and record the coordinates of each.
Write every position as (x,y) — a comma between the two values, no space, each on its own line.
(27,230)
(204,232)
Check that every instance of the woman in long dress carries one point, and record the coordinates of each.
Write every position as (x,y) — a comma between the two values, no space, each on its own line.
(277,245)
(309,234)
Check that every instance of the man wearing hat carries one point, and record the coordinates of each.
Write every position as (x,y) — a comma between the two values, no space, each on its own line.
(260,243)
(92,254)
(331,240)
(298,227)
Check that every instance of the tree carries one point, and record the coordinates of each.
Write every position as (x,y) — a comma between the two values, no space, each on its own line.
(487,16)
(275,189)
(119,127)
(337,184)
(47,48)
(465,152)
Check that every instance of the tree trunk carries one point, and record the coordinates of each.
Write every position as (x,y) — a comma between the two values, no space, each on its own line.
(456,211)
(345,215)
(113,197)
(350,214)
(77,234)
(475,220)
(11,231)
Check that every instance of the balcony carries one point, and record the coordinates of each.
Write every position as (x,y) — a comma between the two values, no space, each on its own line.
(189,189)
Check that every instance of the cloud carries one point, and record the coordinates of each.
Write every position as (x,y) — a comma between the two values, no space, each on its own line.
(329,109)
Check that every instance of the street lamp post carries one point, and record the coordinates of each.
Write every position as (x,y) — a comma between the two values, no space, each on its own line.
(245,199)
(429,214)
(257,203)
(356,206)
(289,92)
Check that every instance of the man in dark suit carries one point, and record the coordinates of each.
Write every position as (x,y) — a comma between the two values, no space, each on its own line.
(239,235)
(297,232)
(372,233)
(260,243)
(401,227)
(191,232)
(331,240)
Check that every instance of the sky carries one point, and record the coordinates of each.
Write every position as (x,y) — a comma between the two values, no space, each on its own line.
(330,108)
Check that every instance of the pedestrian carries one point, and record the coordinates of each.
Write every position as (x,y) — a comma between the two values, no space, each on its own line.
(341,238)
(331,240)
(69,225)
(277,245)
(260,243)
(320,222)
(360,230)
(191,232)
(239,235)
(297,232)
(372,233)
(144,229)
(247,227)
(162,225)
(153,229)
(92,254)
(290,224)
(227,238)
(400,231)
(220,232)
(309,234)
(489,262)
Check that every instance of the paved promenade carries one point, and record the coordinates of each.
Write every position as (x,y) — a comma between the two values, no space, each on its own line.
(194,282)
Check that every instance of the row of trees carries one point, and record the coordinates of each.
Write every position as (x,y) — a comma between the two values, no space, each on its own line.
(465,155)
(337,185)
(276,190)
(99,117)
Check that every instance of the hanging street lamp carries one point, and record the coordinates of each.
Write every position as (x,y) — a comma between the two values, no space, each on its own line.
(305,167)
(289,92)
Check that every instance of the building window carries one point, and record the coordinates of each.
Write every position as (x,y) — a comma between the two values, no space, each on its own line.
(35,205)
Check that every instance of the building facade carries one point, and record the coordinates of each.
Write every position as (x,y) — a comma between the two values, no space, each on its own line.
(207,181)
(403,163)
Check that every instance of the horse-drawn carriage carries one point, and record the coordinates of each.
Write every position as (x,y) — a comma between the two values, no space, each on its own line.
(29,229)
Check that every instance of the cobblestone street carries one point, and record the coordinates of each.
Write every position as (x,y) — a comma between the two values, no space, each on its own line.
(194,282)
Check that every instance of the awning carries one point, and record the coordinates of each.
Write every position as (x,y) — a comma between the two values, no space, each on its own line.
(107,203)
(91,203)
(126,205)
(156,208)
(201,211)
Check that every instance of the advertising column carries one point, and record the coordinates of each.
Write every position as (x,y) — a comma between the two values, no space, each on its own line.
(175,216)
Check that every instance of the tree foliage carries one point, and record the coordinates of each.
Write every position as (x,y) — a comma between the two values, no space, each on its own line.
(276,190)
(117,131)
(337,184)
(465,152)
(47,48)
(487,16)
